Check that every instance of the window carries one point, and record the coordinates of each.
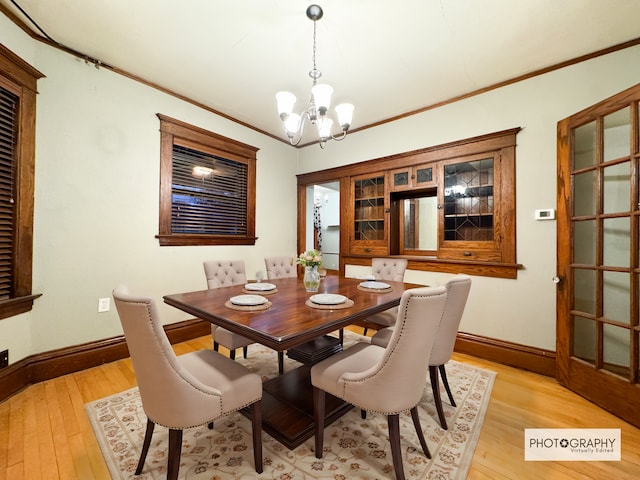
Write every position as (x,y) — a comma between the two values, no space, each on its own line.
(207,187)
(17,163)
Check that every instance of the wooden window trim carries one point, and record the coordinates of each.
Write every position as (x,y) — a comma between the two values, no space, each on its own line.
(172,132)
(20,78)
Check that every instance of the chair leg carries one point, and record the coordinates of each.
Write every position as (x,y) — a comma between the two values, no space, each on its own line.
(145,446)
(416,423)
(232,354)
(366,329)
(318,418)
(341,336)
(443,374)
(245,350)
(280,363)
(215,346)
(363,414)
(175,449)
(435,388)
(394,440)
(256,426)
(210,425)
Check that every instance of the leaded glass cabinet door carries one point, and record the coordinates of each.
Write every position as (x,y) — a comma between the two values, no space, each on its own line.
(369,223)
(597,310)
(470,216)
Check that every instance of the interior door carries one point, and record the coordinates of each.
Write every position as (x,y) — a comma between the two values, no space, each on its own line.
(598,270)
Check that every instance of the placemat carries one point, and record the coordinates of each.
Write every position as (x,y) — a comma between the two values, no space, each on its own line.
(260,292)
(247,308)
(348,303)
(375,290)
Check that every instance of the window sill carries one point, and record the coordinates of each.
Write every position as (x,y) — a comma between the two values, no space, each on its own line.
(191,240)
(433,264)
(16,306)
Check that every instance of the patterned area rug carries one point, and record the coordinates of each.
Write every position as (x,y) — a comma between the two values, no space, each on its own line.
(357,449)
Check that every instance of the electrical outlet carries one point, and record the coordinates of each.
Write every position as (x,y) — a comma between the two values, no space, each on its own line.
(4,358)
(104,304)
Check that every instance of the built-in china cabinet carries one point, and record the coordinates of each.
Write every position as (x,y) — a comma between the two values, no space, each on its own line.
(447,208)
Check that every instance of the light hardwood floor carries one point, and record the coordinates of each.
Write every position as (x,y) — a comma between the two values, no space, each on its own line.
(45,433)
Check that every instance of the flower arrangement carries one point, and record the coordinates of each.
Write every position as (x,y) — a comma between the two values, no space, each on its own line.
(310,258)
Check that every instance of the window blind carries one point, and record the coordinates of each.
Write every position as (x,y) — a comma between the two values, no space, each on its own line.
(214,204)
(8,139)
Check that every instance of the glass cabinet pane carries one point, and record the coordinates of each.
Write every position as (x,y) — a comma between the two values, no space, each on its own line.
(424,175)
(369,209)
(400,179)
(468,200)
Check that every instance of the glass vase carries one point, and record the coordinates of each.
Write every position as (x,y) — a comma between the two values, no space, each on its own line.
(311,279)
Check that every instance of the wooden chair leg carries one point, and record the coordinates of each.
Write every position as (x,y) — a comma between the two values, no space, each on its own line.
(416,423)
(232,354)
(394,440)
(318,418)
(145,446)
(443,374)
(366,329)
(175,449)
(280,363)
(435,388)
(216,345)
(256,426)
(245,351)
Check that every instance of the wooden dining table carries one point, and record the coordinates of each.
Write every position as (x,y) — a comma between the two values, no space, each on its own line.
(289,321)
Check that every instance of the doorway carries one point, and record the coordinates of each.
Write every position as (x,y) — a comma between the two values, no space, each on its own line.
(322,231)
(598,254)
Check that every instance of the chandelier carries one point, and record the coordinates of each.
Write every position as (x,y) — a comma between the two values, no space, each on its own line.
(316,112)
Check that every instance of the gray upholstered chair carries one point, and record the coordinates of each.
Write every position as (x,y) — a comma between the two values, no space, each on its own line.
(281,267)
(385,380)
(225,273)
(457,293)
(391,269)
(183,391)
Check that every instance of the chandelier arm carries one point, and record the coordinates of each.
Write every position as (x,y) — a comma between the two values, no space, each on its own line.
(339,137)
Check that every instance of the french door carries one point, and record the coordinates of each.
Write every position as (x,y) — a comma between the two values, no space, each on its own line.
(598,270)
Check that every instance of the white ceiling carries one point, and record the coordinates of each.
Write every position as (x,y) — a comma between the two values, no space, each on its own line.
(387,58)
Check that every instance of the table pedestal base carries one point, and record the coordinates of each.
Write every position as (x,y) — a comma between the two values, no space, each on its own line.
(287,407)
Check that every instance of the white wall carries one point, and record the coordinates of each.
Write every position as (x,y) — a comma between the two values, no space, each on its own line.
(97,199)
(522,310)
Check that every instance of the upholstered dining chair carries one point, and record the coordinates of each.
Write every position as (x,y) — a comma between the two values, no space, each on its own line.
(385,380)
(391,269)
(281,267)
(183,391)
(225,273)
(458,288)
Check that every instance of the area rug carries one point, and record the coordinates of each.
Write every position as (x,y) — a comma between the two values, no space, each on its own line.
(354,448)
